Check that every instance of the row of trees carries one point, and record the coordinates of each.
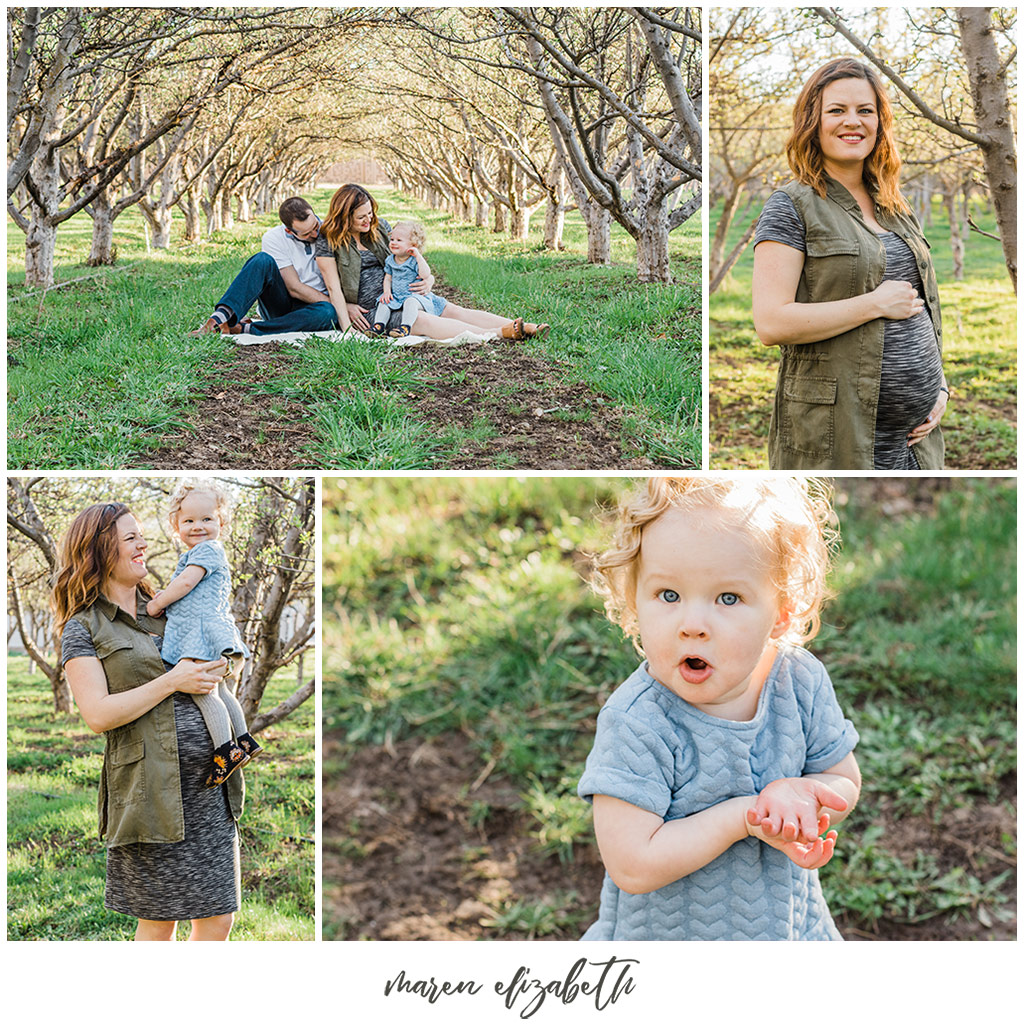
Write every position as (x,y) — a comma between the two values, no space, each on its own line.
(504,110)
(194,108)
(221,112)
(951,73)
(271,548)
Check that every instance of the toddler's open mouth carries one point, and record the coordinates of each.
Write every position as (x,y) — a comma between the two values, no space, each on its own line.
(694,669)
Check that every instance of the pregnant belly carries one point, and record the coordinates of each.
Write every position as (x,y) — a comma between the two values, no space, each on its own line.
(911,373)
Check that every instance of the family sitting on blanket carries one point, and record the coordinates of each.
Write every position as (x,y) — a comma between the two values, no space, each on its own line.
(313,276)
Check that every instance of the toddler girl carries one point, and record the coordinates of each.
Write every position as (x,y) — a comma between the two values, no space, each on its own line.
(406,264)
(720,764)
(199,621)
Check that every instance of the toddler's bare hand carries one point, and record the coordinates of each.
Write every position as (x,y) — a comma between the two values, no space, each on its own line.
(790,808)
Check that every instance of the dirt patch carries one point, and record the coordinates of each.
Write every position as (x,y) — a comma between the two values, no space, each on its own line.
(236,428)
(410,853)
(521,410)
(420,845)
(518,406)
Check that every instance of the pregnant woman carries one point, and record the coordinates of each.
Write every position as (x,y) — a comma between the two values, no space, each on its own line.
(172,842)
(844,284)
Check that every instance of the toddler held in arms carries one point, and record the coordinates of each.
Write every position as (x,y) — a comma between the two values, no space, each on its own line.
(200,625)
(721,763)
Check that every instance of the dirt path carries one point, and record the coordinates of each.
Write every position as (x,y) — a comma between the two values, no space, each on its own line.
(234,427)
(517,409)
(536,419)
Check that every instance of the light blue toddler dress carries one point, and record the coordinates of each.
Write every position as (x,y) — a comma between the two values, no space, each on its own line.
(402,275)
(199,625)
(656,751)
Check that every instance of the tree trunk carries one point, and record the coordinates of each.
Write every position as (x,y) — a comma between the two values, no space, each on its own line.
(554,223)
(499,219)
(730,205)
(956,240)
(519,227)
(102,251)
(483,212)
(652,266)
(992,112)
(227,220)
(41,238)
(193,221)
(599,234)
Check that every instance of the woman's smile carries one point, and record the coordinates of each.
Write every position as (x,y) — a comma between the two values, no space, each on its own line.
(849,121)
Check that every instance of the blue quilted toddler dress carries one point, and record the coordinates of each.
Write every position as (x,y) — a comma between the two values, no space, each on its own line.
(402,276)
(199,625)
(656,751)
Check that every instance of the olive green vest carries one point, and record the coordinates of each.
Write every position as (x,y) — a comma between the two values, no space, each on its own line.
(140,785)
(350,264)
(826,398)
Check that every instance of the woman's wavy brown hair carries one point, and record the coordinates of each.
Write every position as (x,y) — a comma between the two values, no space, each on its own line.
(803,148)
(87,555)
(337,226)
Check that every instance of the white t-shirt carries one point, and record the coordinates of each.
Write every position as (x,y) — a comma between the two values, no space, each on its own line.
(286,250)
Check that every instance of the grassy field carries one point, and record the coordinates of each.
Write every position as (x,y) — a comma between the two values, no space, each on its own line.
(979,322)
(55,862)
(465,663)
(102,372)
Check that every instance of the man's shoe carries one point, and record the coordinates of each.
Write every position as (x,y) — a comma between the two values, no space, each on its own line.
(211,326)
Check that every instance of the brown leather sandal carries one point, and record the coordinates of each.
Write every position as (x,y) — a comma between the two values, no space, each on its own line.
(514,331)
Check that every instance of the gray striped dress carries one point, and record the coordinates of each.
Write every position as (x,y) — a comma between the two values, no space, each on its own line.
(191,879)
(911,363)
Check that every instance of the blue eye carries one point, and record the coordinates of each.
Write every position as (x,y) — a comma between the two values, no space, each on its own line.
(669,596)
(728,599)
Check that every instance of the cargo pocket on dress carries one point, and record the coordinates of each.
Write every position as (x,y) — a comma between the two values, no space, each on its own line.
(808,422)
(126,772)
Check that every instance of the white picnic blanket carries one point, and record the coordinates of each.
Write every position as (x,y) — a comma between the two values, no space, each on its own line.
(465,337)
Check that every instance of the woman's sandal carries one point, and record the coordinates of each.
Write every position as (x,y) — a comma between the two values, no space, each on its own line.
(536,330)
(514,331)
(226,759)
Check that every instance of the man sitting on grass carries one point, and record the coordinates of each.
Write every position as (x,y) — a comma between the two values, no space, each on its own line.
(283,279)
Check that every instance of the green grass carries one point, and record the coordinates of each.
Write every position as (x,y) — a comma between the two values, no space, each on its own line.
(457,605)
(979,322)
(100,370)
(55,864)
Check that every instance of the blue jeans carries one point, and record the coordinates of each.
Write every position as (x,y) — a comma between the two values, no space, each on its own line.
(259,280)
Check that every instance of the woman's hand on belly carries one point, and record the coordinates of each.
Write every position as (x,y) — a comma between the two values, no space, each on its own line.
(197,677)
(932,422)
(897,300)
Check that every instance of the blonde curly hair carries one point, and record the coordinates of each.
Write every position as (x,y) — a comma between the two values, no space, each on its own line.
(417,231)
(788,517)
(222,498)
